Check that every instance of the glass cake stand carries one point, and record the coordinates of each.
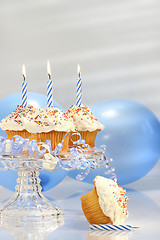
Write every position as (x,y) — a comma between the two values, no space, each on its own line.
(28,207)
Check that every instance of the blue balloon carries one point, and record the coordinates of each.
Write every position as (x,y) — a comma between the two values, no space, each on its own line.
(132,138)
(7,105)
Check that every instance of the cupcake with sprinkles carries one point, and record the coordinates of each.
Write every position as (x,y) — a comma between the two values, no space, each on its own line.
(85,123)
(14,124)
(105,203)
(51,123)
(48,123)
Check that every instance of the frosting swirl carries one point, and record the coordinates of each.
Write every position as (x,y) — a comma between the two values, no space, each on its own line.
(36,120)
(48,119)
(15,120)
(84,119)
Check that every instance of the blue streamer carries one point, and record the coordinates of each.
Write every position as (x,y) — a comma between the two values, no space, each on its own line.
(77,156)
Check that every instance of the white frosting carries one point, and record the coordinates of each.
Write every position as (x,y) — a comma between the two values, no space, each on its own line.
(84,119)
(112,199)
(15,121)
(48,119)
(37,120)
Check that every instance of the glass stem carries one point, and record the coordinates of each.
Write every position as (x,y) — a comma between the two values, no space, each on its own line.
(28,182)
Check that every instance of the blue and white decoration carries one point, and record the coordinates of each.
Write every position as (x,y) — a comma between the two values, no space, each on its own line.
(24,87)
(49,87)
(79,87)
(110,227)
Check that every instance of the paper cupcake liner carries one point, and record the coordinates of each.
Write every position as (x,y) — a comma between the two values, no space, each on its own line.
(92,209)
(55,137)
(88,136)
(22,133)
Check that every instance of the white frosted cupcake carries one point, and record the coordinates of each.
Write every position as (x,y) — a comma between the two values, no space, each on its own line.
(47,123)
(14,123)
(85,123)
(106,203)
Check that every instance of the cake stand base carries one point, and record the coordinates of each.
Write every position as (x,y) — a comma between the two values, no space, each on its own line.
(28,206)
(29,232)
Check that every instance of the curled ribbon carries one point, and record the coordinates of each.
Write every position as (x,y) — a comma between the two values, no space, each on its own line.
(2,145)
(82,175)
(80,156)
(18,144)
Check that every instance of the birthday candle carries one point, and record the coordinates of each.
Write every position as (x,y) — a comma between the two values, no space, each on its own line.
(49,86)
(24,87)
(79,87)
(110,227)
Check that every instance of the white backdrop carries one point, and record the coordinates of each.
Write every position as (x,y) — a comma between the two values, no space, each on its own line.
(117,44)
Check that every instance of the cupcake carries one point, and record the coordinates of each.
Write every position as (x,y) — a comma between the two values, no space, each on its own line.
(14,124)
(106,203)
(48,123)
(85,123)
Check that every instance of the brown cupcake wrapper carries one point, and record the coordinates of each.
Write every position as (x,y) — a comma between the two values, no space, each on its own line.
(92,209)
(88,136)
(55,137)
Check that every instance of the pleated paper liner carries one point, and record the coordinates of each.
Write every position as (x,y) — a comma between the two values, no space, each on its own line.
(92,209)
(22,133)
(55,137)
(88,136)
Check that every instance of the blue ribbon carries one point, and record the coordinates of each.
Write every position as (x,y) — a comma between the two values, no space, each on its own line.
(82,175)
(18,144)
(78,159)
(2,145)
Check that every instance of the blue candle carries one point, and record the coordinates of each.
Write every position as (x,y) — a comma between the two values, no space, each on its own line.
(24,87)
(79,87)
(49,87)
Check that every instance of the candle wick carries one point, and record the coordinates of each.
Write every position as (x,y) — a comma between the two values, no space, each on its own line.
(23,77)
(79,75)
(49,76)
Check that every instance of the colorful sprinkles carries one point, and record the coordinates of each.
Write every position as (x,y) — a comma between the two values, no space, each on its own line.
(83,112)
(120,197)
(39,116)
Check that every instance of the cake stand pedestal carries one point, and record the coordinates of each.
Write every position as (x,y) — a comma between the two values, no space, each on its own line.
(28,206)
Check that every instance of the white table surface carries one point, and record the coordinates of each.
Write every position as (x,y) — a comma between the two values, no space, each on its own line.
(143,206)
